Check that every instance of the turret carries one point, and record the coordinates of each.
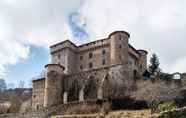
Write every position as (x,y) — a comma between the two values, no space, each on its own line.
(64,53)
(119,47)
(143,60)
(53,84)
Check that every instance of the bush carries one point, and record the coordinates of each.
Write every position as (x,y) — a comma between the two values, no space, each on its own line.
(171,114)
(167,106)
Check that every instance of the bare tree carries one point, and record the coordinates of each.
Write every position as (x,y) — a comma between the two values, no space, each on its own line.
(21,84)
(2,85)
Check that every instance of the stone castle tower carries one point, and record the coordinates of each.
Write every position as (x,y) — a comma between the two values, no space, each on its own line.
(53,88)
(92,67)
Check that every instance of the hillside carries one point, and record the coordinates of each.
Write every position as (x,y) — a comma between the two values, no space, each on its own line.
(20,93)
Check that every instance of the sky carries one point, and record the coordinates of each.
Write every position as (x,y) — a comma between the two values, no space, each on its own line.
(29,27)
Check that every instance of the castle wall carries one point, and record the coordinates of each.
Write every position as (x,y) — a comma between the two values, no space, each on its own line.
(142,61)
(65,54)
(76,59)
(119,48)
(104,82)
(133,66)
(68,60)
(53,88)
(100,58)
(38,93)
(98,68)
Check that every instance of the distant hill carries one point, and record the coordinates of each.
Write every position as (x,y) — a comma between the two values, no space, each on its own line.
(22,94)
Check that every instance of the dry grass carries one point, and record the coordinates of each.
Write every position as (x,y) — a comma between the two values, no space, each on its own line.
(114,114)
(130,114)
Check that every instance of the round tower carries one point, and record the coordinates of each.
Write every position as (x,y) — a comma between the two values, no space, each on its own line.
(143,60)
(53,84)
(119,44)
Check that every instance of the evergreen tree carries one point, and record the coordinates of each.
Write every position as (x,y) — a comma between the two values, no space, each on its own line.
(154,64)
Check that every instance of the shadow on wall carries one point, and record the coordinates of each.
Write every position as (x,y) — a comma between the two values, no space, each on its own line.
(127,103)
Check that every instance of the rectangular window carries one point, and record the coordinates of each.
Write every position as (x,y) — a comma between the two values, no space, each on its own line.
(59,56)
(103,52)
(81,67)
(90,55)
(103,62)
(81,57)
(120,46)
(90,65)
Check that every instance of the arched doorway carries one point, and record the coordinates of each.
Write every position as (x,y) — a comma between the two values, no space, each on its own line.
(104,88)
(90,90)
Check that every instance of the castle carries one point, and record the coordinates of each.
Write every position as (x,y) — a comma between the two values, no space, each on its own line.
(90,71)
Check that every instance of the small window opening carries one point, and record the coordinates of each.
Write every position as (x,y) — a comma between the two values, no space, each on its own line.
(90,55)
(90,65)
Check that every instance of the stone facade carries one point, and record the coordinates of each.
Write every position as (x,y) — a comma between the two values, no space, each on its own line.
(38,93)
(91,71)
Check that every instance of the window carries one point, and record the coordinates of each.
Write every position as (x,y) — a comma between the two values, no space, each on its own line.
(120,57)
(81,67)
(103,52)
(81,57)
(135,74)
(103,62)
(120,46)
(120,37)
(135,62)
(90,55)
(37,106)
(90,65)
(59,56)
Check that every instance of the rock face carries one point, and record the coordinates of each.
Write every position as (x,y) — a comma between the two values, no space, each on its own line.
(96,70)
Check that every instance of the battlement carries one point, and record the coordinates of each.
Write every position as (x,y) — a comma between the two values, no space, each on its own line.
(62,45)
(94,44)
(116,32)
(54,67)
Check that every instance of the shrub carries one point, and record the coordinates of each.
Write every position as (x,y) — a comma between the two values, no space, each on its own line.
(166,106)
(171,114)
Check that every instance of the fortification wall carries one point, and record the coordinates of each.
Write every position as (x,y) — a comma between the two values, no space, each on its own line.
(102,83)
(38,93)
(93,58)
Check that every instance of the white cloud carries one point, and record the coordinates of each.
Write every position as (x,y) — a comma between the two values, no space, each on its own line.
(31,22)
(155,25)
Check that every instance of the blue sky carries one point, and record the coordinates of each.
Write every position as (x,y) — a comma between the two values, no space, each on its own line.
(29,27)
(28,68)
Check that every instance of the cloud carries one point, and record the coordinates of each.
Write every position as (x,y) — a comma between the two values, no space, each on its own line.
(155,25)
(31,22)
(78,26)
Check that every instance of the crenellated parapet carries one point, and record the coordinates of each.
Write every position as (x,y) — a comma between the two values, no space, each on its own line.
(55,67)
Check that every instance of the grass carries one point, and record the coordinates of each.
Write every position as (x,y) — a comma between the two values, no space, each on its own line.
(130,114)
(113,114)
